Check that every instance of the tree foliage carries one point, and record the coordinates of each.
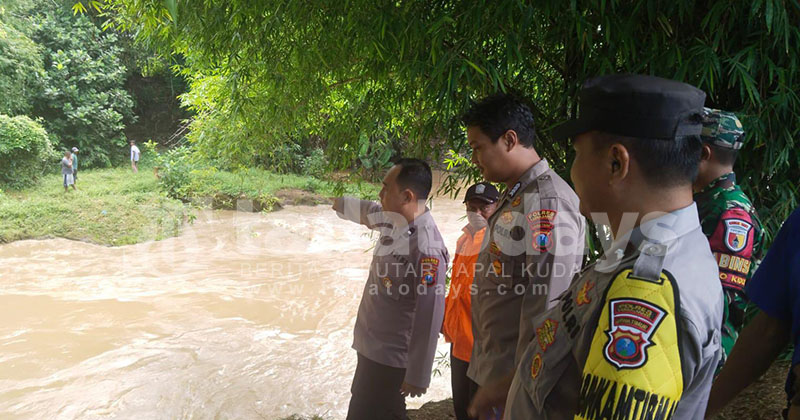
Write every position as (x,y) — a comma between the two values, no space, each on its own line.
(265,72)
(25,151)
(21,70)
(83,101)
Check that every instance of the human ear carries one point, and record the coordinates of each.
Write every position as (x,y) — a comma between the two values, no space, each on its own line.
(619,162)
(705,152)
(510,139)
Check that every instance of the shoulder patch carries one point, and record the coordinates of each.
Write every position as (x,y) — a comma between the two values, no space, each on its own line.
(737,232)
(634,350)
(632,322)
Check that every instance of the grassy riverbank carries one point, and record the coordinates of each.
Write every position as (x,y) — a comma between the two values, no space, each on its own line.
(117,207)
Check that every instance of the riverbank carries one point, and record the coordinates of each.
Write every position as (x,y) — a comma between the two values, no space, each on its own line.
(117,207)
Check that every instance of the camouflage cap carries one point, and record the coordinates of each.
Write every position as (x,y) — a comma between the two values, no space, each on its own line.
(722,128)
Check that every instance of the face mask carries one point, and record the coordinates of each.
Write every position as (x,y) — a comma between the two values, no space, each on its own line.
(476,220)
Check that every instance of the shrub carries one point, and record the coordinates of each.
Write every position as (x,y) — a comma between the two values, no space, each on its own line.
(315,164)
(25,151)
(175,168)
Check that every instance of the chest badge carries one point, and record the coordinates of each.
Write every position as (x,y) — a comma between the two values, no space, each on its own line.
(536,365)
(387,282)
(546,333)
(632,323)
(516,201)
(736,232)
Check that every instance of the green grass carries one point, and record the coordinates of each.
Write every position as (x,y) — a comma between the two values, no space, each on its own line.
(118,207)
(111,207)
(258,183)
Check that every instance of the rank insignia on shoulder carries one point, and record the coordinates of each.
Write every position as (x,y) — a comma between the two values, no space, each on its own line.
(514,189)
(632,323)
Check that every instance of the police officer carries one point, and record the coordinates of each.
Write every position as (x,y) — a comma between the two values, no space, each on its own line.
(534,242)
(727,217)
(636,335)
(402,307)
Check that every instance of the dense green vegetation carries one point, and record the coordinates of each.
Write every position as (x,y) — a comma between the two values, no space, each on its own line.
(25,149)
(395,75)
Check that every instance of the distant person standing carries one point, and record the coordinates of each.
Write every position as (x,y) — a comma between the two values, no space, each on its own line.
(134,156)
(66,170)
(75,165)
(481,202)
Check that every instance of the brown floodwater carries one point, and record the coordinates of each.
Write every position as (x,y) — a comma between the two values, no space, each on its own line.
(243,316)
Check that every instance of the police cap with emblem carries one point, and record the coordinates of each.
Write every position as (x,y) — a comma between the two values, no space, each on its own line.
(484,191)
(636,106)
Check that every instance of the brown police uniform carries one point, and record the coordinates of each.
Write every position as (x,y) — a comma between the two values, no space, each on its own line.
(401,310)
(533,246)
(637,335)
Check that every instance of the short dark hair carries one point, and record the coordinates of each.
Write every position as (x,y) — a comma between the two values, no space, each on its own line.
(724,155)
(499,113)
(665,163)
(415,175)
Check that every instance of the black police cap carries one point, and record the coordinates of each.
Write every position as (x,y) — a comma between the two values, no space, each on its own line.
(636,106)
(483,191)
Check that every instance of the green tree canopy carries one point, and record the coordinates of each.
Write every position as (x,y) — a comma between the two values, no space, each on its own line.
(21,70)
(265,72)
(83,101)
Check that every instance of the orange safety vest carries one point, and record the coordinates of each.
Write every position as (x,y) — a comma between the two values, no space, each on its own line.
(457,327)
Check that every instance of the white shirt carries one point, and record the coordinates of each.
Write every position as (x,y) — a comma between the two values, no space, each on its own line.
(135,153)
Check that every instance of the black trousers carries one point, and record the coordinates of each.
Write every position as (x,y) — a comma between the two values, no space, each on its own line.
(376,392)
(463,387)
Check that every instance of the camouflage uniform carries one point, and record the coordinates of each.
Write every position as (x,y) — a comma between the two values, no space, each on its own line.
(731,224)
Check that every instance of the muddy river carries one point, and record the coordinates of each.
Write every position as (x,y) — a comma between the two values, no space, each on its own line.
(244,316)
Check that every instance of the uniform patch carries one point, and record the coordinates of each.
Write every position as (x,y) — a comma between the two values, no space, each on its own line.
(541,240)
(536,365)
(583,298)
(429,267)
(546,333)
(507,217)
(632,322)
(494,249)
(387,282)
(516,202)
(537,217)
(736,234)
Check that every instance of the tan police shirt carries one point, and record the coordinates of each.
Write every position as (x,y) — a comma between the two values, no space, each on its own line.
(402,307)
(532,247)
(636,336)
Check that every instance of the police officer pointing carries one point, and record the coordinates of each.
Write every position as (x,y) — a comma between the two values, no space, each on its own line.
(636,335)
(402,307)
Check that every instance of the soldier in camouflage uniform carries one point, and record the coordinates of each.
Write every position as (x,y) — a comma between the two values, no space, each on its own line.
(727,217)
